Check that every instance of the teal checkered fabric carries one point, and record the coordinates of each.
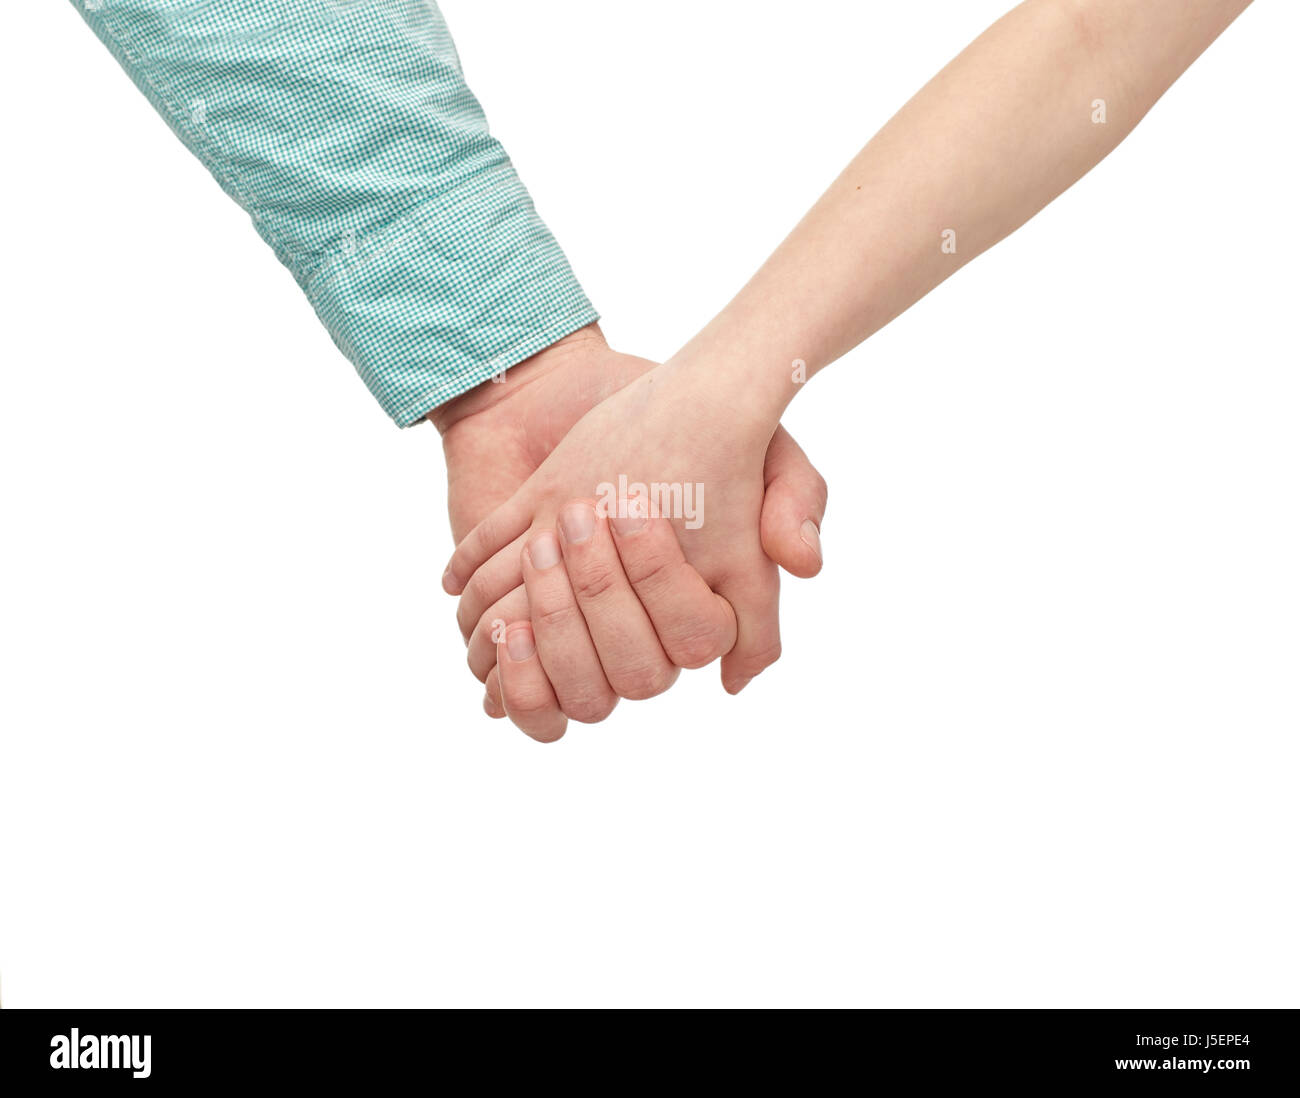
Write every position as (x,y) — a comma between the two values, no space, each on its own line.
(346,130)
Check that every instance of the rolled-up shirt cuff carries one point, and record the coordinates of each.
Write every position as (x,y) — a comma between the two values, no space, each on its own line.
(458,290)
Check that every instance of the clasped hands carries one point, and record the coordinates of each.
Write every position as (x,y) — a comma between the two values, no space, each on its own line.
(568,604)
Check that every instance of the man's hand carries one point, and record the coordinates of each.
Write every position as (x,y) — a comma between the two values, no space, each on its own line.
(495,436)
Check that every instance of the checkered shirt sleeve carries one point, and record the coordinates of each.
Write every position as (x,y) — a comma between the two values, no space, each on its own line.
(346,130)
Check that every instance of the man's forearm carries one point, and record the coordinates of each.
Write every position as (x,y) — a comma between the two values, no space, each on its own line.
(1025,111)
(348,133)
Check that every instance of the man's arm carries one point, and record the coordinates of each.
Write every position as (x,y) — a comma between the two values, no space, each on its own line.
(347,132)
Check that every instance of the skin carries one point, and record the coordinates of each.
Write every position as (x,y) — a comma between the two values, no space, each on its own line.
(494,438)
(1025,94)
(661,427)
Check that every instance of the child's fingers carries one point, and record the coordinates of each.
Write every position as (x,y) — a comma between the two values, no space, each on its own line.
(694,625)
(527,695)
(494,533)
(758,632)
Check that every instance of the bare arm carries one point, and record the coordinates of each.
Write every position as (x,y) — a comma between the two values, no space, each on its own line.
(1026,110)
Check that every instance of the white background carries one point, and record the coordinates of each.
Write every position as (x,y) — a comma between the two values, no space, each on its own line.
(1033,741)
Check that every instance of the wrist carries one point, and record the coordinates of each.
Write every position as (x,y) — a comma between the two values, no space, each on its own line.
(576,348)
(749,385)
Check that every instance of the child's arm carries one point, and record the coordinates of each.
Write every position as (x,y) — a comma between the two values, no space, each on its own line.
(1020,115)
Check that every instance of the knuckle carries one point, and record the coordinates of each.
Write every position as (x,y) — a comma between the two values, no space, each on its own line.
(556,617)
(695,649)
(527,701)
(638,684)
(594,580)
(821,491)
(468,616)
(483,538)
(477,591)
(651,572)
(482,653)
(590,709)
(480,665)
(763,657)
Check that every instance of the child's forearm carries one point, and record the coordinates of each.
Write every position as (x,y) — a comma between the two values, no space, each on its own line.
(1019,116)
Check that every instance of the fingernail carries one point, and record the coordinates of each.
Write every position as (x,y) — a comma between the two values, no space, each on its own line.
(633,519)
(519,643)
(577,520)
(544,551)
(741,685)
(489,706)
(449,583)
(811,537)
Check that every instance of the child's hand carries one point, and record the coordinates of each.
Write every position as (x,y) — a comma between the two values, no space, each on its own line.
(669,428)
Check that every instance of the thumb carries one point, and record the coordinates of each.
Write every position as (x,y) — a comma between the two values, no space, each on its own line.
(794,503)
